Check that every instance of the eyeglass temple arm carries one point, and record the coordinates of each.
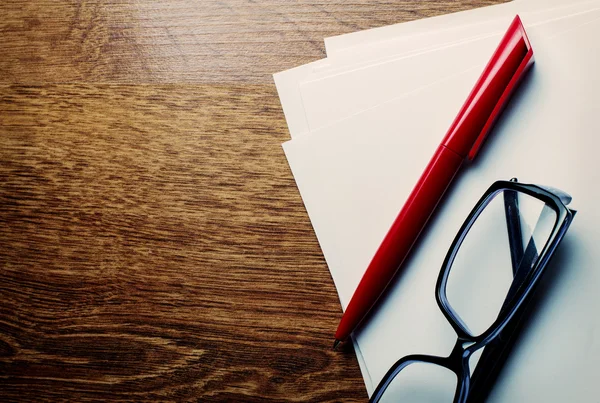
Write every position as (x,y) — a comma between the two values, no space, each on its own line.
(494,354)
(513,223)
(521,260)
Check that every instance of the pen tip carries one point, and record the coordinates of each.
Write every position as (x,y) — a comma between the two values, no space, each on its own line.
(336,343)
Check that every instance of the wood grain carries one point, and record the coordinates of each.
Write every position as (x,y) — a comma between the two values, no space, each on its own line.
(129,41)
(153,244)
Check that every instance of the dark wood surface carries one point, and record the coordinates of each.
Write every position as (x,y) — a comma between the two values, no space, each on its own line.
(153,244)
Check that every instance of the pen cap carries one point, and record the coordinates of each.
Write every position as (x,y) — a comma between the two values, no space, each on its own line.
(490,94)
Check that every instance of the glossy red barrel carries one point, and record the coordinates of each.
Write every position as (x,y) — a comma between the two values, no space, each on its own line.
(462,141)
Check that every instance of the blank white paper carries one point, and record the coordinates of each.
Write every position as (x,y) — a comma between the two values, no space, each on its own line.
(355,175)
(332,98)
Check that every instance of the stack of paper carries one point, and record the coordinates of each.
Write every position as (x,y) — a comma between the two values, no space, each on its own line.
(364,123)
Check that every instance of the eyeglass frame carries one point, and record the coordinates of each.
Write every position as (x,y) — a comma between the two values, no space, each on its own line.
(512,312)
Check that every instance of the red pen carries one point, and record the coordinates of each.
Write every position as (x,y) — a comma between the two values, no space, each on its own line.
(462,142)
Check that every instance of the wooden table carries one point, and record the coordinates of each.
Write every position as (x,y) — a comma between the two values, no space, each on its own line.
(153,244)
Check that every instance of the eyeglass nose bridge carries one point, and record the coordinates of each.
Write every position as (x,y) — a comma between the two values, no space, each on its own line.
(458,362)
(458,359)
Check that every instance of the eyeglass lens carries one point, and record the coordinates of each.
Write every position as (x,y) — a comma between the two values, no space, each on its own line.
(497,253)
(491,262)
(421,382)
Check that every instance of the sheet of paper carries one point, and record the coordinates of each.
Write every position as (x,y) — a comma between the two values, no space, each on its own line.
(305,70)
(336,97)
(287,81)
(439,34)
(337,43)
(381,51)
(355,175)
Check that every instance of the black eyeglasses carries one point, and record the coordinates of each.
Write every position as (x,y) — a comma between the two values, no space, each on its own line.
(486,281)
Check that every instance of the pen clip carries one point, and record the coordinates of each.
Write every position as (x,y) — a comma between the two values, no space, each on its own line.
(491,92)
(517,30)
